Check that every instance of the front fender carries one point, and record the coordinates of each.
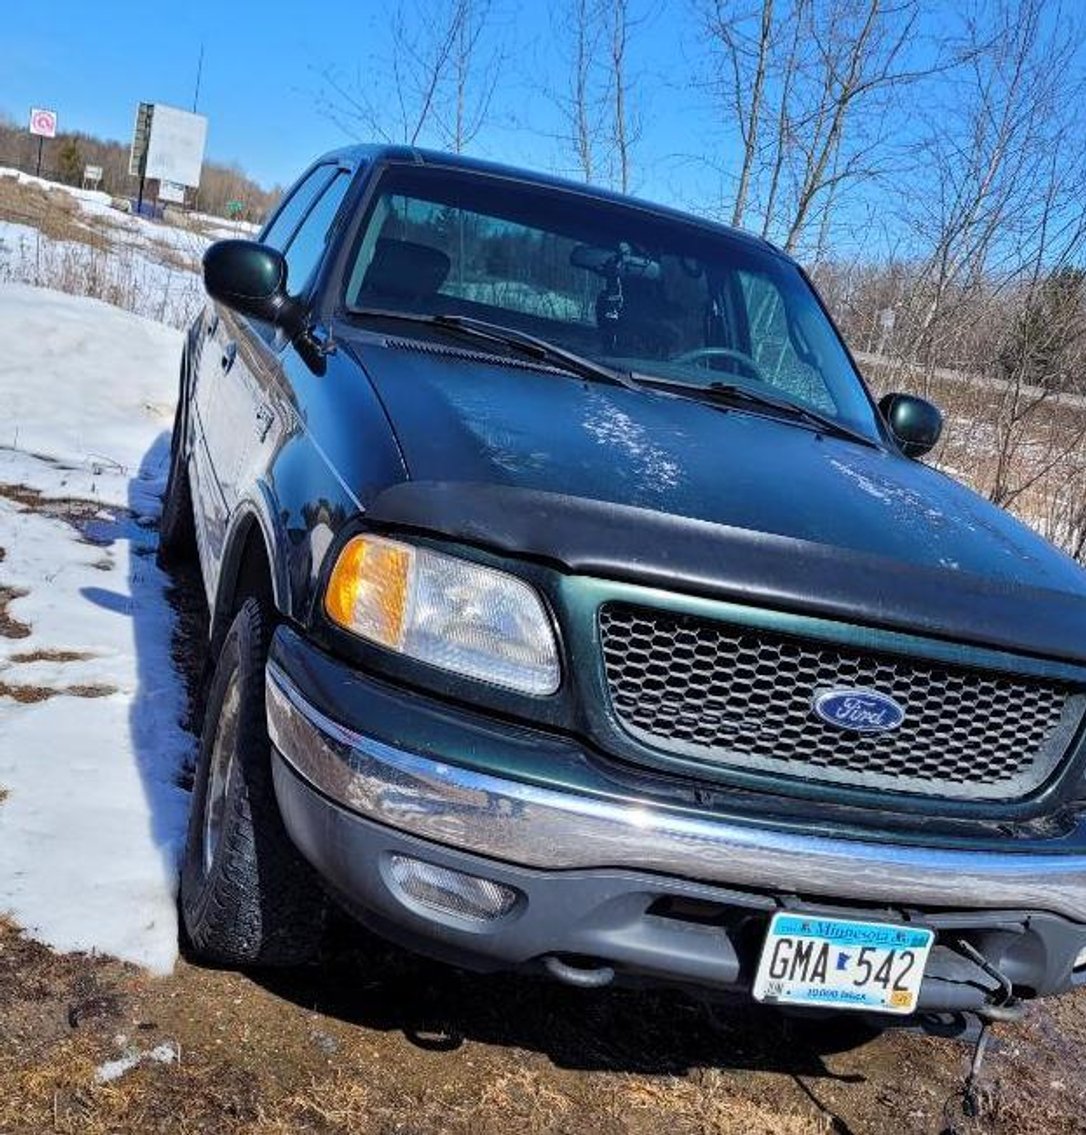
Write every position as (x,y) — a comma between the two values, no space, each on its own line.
(253,519)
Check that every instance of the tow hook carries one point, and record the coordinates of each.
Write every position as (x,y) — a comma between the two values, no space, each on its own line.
(588,976)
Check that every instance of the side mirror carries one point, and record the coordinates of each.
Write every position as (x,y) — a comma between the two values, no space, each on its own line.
(915,423)
(251,279)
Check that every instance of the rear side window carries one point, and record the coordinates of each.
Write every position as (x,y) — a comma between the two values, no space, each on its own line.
(307,245)
(280,231)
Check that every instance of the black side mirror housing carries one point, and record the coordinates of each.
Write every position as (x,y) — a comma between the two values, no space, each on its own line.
(251,279)
(915,423)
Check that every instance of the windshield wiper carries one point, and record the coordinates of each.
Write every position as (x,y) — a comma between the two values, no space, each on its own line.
(533,347)
(733,392)
(730,390)
(528,346)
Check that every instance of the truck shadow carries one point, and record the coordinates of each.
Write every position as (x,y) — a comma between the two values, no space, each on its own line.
(159,740)
(436,1007)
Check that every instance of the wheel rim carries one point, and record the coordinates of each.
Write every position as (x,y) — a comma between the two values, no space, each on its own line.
(218,777)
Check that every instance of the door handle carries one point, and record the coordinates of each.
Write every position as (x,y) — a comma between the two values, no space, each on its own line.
(229,354)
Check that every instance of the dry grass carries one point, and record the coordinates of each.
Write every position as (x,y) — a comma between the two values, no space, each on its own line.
(27,695)
(87,255)
(339,1052)
(52,212)
(170,256)
(51,656)
(10,627)
(74,510)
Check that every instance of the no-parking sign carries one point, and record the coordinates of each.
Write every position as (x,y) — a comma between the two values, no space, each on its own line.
(43,122)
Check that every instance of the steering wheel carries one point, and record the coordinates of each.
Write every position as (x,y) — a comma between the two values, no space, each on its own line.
(704,354)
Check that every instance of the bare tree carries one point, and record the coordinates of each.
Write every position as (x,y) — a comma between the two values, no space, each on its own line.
(1002,165)
(859,53)
(746,59)
(808,88)
(437,83)
(598,94)
(621,125)
(780,153)
(578,35)
(474,75)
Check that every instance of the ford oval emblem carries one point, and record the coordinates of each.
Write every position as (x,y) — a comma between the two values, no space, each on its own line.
(861,711)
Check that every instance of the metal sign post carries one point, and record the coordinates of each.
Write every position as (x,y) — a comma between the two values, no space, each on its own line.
(43,123)
(141,136)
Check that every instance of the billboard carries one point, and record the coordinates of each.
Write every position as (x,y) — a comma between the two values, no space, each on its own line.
(172,143)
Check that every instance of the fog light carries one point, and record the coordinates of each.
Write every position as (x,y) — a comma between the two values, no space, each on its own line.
(451,892)
(1080,958)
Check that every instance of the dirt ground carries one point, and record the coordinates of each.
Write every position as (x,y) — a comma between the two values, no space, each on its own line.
(375,1041)
(378,1042)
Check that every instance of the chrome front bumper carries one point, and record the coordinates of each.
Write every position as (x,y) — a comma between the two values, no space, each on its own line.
(544,828)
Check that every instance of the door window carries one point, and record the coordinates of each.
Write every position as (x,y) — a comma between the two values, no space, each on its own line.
(279,232)
(306,248)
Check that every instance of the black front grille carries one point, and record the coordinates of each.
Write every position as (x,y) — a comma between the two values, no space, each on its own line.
(743,698)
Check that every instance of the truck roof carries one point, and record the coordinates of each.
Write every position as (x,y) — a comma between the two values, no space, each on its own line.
(385,152)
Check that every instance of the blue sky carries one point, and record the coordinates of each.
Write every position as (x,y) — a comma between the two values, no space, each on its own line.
(93,62)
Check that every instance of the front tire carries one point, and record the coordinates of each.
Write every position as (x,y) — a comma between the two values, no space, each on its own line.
(247,896)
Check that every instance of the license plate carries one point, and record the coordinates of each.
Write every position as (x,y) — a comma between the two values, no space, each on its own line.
(841,964)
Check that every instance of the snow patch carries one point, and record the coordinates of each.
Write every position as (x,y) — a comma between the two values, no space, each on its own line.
(91,742)
(90,199)
(115,1069)
(146,266)
(653,466)
(85,389)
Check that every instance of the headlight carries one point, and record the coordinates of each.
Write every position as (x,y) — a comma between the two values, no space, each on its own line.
(443,610)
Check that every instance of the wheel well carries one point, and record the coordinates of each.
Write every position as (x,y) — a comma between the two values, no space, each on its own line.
(252,577)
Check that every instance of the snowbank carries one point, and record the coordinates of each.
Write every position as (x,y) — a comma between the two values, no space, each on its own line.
(85,385)
(90,705)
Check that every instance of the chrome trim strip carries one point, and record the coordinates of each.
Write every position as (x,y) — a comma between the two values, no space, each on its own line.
(549,829)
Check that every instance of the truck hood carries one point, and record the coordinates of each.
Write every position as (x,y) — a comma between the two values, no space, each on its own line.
(584,473)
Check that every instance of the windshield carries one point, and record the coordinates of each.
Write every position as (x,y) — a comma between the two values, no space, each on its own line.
(659,297)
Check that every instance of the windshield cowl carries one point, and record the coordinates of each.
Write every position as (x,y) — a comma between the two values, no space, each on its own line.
(522,345)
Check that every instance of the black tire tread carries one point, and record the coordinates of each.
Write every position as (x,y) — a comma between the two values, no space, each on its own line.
(261,903)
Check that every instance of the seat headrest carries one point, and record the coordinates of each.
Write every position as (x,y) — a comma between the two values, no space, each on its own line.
(405,270)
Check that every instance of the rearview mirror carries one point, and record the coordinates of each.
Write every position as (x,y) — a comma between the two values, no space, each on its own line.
(915,423)
(622,262)
(251,279)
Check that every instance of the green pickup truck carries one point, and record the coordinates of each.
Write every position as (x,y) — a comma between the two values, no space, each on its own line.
(576,609)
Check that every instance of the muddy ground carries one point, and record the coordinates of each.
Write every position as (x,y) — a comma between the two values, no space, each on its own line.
(376,1041)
